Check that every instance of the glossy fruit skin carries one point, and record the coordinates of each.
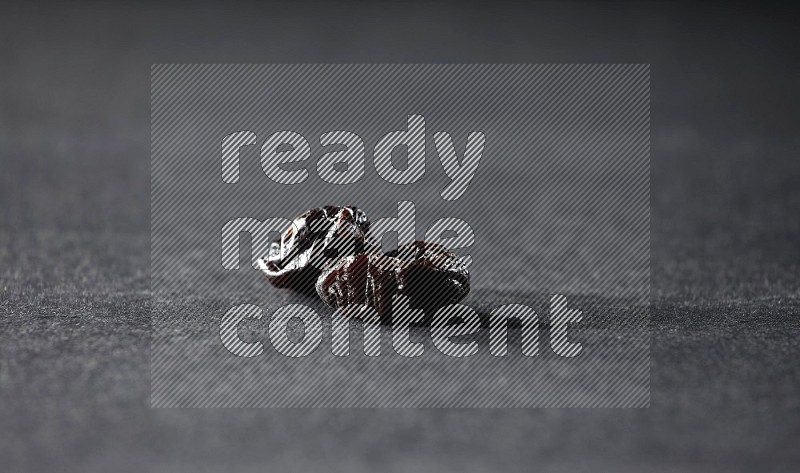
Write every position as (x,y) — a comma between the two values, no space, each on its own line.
(314,241)
(427,273)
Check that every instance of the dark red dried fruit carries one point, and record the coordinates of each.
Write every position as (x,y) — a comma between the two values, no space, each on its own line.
(427,273)
(316,238)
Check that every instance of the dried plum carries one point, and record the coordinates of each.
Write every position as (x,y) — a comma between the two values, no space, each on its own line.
(315,239)
(427,273)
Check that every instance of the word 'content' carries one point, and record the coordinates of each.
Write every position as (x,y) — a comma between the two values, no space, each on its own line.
(453,321)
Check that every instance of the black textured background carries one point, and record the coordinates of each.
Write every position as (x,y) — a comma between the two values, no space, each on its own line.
(74,258)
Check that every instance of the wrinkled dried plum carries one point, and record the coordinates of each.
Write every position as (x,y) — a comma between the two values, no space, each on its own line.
(427,273)
(315,239)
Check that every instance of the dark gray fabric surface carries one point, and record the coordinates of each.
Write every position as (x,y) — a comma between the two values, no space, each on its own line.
(74,244)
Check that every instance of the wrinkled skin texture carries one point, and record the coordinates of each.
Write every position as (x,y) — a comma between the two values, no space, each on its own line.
(428,274)
(317,238)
